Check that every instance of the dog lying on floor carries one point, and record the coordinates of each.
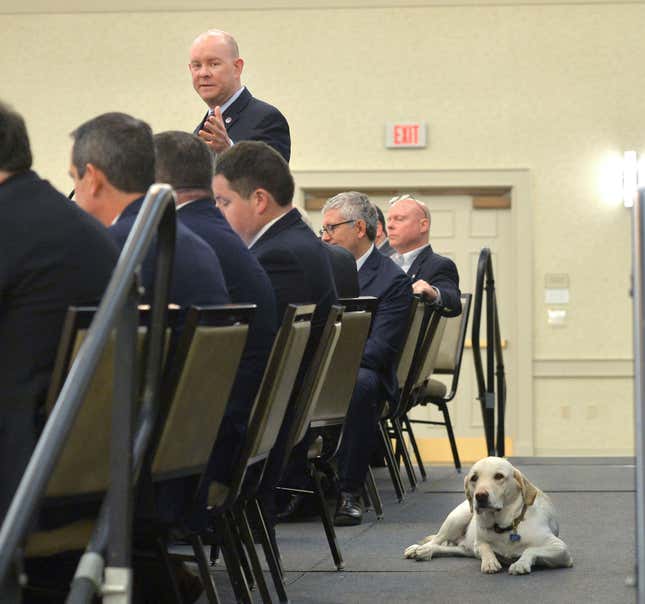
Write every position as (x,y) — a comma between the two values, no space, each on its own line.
(505,519)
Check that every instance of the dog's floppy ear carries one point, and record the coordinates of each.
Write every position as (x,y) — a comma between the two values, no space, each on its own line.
(529,490)
(468,492)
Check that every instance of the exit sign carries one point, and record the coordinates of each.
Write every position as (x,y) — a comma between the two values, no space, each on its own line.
(405,135)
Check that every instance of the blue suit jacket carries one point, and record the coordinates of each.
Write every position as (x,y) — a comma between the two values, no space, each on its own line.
(197,275)
(298,266)
(250,119)
(343,268)
(441,272)
(382,278)
(52,255)
(247,282)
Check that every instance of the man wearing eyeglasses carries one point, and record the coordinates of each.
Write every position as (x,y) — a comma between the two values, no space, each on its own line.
(234,114)
(434,276)
(349,220)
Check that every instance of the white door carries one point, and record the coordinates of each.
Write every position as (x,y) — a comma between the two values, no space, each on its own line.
(460,232)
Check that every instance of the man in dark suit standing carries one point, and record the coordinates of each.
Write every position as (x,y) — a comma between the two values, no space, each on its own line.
(185,162)
(254,189)
(433,276)
(234,114)
(113,165)
(52,255)
(349,220)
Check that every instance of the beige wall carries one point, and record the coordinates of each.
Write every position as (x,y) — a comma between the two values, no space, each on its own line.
(552,88)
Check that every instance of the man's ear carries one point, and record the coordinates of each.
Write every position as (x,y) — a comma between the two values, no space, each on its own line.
(424,225)
(529,490)
(96,179)
(261,199)
(239,66)
(361,228)
(468,492)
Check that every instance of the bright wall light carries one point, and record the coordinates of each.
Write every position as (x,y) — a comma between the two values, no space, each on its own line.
(610,179)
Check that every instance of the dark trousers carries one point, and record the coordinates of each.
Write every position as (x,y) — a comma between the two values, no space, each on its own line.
(360,435)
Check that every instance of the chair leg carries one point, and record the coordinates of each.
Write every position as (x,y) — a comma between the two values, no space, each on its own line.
(415,448)
(239,549)
(247,538)
(171,581)
(270,553)
(232,561)
(407,461)
(375,498)
(451,436)
(202,564)
(327,521)
(391,464)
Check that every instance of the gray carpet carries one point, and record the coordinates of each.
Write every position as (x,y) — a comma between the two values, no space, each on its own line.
(595,502)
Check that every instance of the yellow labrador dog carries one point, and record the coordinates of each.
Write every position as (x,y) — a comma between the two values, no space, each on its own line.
(505,519)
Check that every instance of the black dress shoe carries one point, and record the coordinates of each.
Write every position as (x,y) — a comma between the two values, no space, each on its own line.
(349,511)
(290,509)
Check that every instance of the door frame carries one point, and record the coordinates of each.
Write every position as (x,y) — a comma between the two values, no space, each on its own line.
(517,182)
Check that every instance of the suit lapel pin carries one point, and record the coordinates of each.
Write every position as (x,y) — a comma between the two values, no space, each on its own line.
(228,120)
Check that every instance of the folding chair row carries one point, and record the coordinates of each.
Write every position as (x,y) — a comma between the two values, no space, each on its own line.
(435,392)
(204,362)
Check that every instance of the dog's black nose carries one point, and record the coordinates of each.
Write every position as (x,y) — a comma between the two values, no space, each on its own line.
(482,497)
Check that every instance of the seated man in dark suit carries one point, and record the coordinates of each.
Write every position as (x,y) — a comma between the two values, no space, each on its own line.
(343,267)
(113,164)
(52,256)
(433,276)
(234,114)
(349,220)
(254,189)
(185,162)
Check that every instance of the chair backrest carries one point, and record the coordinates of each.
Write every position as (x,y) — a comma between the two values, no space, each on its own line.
(415,322)
(436,333)
(198,383)
(452,344)
(275,389)
(83,467)
(336,392)
(314,380)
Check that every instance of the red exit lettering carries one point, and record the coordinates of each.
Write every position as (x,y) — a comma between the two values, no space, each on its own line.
(406,134)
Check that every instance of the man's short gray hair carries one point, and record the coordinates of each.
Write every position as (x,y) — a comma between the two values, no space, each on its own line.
(355,206)
(422,206)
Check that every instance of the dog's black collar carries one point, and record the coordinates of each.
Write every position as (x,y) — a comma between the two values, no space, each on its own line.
(511,527)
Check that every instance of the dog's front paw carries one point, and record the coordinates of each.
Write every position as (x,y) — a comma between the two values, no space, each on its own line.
(424,552)
(411,552)
(490,565)
(521,567)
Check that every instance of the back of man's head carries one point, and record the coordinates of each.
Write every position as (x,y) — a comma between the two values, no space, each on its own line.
(182,160)
(381,219)
(119,145)
(15,152)
(252,165)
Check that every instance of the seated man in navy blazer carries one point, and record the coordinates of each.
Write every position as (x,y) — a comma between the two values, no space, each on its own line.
(254,189)
(349,220)
(185,162)
(433,276)
(234,114)
(113,164)
(52,256)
